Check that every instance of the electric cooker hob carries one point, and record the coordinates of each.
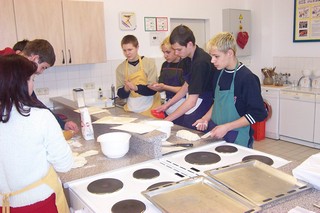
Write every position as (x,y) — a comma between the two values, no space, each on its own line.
(129,181)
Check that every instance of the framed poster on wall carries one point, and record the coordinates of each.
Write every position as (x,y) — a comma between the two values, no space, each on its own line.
(162,24)
(128,21)
(306,26)
(150,23)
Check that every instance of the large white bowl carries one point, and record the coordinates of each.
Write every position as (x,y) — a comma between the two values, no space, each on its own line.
(162,126)
(114,144)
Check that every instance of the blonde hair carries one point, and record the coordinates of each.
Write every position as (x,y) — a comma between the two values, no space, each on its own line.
(166,42)
(223,42)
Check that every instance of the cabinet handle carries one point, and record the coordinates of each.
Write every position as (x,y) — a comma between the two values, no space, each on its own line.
(70,61)
(63,61)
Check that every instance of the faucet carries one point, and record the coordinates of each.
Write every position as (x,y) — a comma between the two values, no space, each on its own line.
(300,80)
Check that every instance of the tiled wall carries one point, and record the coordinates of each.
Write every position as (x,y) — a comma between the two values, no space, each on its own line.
(60,80)
(295,65)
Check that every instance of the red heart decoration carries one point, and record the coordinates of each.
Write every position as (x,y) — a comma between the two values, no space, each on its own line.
(242,39)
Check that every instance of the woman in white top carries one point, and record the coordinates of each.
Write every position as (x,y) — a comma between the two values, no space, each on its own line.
(32,146)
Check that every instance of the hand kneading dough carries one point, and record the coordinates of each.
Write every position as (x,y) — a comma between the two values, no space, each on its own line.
(185,134)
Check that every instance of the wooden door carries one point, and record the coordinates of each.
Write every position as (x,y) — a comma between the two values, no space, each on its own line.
(84,31)
(8,35)
(41,19)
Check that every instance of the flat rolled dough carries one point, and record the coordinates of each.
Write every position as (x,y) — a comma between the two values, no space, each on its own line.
(185,134)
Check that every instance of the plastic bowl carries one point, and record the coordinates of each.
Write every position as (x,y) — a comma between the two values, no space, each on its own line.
(163,126)
(114,144)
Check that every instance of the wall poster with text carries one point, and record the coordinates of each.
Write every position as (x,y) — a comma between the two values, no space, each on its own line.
(306,20)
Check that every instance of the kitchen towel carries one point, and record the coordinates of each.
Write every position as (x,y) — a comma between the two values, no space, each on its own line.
(309,171)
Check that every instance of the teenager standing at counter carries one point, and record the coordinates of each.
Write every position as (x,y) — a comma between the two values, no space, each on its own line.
(171,75)
(42,53)
(198,87)
(133,76)
(237,96)
(32,145)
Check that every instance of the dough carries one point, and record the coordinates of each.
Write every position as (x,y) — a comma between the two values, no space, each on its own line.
(78,161)
(185,134)
(89,153)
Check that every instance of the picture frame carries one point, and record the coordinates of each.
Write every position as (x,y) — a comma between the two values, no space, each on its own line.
(162,24)
(128,21)
(306,26)
(150,24)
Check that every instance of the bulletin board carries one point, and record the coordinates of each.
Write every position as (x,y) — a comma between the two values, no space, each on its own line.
(306,20)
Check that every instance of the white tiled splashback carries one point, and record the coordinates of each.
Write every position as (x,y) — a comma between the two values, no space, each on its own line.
(295,65)
(60,80)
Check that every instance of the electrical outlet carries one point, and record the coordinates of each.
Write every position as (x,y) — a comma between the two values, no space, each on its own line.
(42,91)
(89,85)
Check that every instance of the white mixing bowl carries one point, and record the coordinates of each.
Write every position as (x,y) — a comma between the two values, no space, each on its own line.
(162,126)
(114,144)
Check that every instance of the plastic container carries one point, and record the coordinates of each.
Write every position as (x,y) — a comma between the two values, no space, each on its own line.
(114,144)
(259,129)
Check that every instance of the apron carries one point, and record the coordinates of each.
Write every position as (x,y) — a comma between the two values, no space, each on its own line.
(224,111)
(136,102)
(52,180)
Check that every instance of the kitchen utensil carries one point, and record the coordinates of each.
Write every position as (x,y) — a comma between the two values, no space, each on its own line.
(114,144)
(179,144)
(68,134)
(78,96)
(156,114)
(263,183)
(198,194)
(268,75)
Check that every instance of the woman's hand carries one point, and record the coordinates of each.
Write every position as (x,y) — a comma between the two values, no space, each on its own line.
(159,87)
(128,85)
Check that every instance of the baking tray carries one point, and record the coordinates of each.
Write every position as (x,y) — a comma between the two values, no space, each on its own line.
(198,194)
(257,181)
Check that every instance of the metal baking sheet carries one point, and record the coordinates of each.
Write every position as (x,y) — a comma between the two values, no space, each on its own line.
(198,194)
(257,181)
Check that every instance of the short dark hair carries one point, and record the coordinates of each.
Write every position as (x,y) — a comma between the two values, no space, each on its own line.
(15,71)
(130,39)
(20,45)
(182,35)
(42,48)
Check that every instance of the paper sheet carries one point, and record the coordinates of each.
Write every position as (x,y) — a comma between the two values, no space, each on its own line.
(93,110)
(114,120)
(139,128)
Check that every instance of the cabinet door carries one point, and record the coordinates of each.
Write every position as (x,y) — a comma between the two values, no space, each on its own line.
(41,19)
(8,35)
(84,31)
(316,138)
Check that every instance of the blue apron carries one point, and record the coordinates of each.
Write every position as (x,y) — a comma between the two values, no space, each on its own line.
(224,111)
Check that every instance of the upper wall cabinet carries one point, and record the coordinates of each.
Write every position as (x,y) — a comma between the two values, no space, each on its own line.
(74,28)
(8,35)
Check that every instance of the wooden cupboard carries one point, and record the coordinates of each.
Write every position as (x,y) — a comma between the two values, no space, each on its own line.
(74,28)
(8,35)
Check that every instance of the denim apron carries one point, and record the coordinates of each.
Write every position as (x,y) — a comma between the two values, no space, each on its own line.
(224,111)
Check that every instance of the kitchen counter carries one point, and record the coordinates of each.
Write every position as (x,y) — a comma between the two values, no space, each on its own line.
(147,146)
(143,147)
